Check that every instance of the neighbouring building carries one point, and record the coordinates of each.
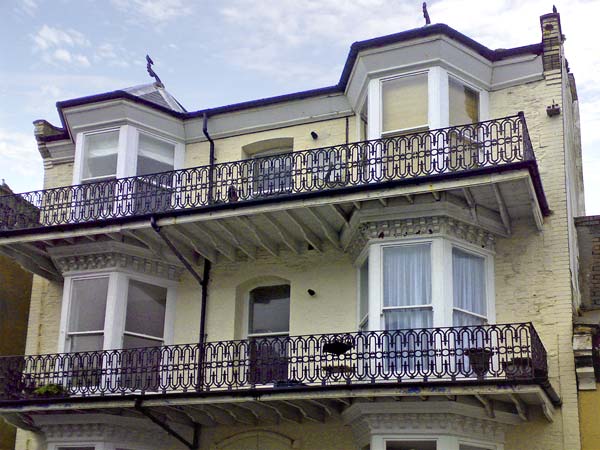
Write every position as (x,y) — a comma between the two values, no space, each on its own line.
(15,295)
(586,339)
(387,263)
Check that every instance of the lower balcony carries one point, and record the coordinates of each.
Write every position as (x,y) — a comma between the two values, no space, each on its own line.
(468,355)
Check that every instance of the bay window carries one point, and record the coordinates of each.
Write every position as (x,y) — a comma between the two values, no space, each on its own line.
(424,100)
(115,310)
(426,282)
(122,152)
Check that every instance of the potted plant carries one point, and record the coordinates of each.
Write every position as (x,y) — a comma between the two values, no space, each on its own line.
(479,359)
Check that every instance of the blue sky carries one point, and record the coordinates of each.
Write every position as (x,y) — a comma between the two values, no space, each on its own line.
(215,52)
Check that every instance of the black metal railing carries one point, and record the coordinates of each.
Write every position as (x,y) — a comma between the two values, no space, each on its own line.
(444,152)
(509,352)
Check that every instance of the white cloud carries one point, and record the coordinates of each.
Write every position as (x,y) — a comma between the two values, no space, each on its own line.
(20,159)
(29,7)
(48,37)
(154,11)
(60,47)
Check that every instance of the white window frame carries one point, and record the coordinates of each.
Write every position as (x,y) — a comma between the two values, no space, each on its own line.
(438,107)
(246,311)
(443,441)
(116,306)
(441,278)
(127,153)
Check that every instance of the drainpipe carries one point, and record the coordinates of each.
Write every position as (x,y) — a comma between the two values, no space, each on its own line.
(203,282)
(211,158)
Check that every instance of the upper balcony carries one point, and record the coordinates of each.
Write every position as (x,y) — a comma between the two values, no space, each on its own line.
(487,169)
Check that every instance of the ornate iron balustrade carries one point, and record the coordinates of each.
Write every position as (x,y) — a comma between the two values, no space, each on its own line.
(506,353)
(444,152)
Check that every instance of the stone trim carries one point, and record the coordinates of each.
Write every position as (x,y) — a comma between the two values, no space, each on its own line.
(116,256)
(422,226)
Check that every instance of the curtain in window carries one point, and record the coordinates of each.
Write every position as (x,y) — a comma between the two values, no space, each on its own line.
(464,103)
(407,286)
(404,103)
(468,280)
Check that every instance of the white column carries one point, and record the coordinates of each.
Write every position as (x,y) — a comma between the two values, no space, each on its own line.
(374,105)
(375,288)
(116,304)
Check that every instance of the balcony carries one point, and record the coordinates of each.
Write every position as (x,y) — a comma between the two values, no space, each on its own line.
(451,153)
(509,354)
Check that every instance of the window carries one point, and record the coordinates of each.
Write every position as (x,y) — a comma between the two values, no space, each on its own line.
(154,155)
(100,156)
(426,282)
(407,287)
(272,171)
(363,309)
(268,326)
(145,316)
(87,314)
(468,284)
(410,445)
(464,103)
(404,104)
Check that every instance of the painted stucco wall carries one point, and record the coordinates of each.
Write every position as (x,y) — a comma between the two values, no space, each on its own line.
(589,412)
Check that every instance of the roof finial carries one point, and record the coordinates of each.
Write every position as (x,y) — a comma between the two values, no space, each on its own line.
(554,10)
(151,72)
(426,14)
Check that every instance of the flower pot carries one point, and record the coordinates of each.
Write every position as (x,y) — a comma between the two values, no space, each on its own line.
(479,359)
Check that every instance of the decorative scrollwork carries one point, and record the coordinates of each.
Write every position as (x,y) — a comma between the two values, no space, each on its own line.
(435,153)
(509,352)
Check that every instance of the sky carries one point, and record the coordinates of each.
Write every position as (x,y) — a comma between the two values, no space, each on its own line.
(216,52)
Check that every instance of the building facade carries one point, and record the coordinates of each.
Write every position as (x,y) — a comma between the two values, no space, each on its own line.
(15,296)
(387,263)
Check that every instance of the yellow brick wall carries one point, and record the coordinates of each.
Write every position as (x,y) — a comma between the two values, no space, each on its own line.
(533,279)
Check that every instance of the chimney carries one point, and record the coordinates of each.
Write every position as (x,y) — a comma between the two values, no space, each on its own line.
(552,40)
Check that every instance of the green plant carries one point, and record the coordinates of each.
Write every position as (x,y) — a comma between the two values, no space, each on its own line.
(50,390)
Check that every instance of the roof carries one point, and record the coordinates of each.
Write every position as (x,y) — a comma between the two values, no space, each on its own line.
(155,96)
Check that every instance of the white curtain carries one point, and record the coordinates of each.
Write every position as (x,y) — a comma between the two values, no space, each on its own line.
(468,280)
(407,283)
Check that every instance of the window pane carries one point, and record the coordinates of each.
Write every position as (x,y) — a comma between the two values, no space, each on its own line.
(86,343)
(364,290)
(468,280)
(75,448)
(411,445)
(137,342)
(464,103)
(405,319)
(404,103)
(100,155)
(273,173)
(407,275)
(88,304)
(154,155)
(146,306)
(270,309)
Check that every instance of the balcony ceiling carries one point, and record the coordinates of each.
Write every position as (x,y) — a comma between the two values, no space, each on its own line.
(492,202)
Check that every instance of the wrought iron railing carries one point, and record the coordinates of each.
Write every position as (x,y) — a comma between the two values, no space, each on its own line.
(506,353)
(443,152)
